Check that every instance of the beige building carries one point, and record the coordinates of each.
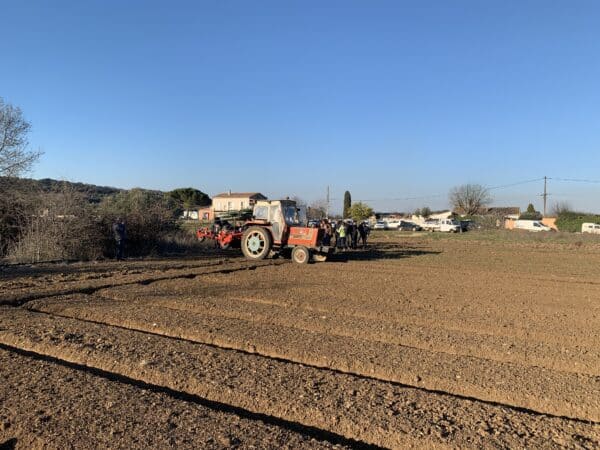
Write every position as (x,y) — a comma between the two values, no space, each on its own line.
(235,201)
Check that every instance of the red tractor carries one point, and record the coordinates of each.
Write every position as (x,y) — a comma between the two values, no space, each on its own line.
(277,227)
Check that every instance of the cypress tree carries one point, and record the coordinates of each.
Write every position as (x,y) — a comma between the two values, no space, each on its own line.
(347,204)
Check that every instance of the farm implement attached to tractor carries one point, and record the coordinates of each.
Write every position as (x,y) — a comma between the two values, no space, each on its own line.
(225,238)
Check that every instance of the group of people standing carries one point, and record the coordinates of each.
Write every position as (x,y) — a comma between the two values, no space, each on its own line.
(344,234)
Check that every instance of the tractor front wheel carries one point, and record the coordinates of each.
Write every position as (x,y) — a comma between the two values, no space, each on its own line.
(256,243)
(300,255)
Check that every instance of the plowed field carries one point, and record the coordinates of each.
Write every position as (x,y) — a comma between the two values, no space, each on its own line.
(413,343)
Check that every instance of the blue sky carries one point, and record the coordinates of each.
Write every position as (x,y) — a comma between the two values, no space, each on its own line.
(388,99)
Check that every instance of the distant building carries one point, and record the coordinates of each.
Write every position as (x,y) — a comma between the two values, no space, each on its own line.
(206,214)
(223,203)
(236,201)
(189,214)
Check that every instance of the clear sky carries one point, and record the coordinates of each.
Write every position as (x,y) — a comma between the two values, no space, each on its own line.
(388,99)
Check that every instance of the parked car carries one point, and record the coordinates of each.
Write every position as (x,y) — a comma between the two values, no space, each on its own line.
(531,225)
(409,226)
(466,225)
(380,225)
(392,224)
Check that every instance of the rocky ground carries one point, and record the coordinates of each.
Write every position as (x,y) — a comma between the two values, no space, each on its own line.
(416,342)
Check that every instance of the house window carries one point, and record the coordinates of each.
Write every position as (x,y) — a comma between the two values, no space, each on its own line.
(242,204)
(228,206)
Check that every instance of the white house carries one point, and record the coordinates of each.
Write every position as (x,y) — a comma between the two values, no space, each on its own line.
(235,201)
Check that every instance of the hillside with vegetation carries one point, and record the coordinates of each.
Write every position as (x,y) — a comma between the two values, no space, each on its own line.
(49,219)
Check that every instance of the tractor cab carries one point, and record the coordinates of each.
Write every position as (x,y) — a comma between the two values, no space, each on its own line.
(279,226)
(280,215)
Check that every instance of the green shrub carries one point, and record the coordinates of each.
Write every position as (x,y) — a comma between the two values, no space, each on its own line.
(572,221)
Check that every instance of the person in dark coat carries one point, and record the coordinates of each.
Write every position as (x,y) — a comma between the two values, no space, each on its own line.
(354,235)
(362,232)
(120,235)
(324,225)
(216,228)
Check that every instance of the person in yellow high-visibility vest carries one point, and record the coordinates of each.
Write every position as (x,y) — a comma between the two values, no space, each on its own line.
(342,236)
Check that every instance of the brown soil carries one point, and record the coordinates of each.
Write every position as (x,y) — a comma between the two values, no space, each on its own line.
(416,342)
(46,405)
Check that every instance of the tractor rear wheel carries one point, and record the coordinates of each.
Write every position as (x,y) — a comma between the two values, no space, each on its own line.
(256,243)
(300,255)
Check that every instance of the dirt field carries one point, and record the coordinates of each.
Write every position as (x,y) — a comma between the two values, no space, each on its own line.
(475,341)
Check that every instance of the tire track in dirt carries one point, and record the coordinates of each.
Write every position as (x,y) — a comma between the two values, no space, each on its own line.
(367,410)
(22,296)
(31,415)
(533,388)
(549,315)
(399,331)
(383,267)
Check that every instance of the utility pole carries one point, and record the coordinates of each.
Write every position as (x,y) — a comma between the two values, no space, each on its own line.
(327,209)
(545,194)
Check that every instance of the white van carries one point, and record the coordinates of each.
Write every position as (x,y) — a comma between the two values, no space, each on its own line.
(444,225)
(531,225)
(392,224)
(593,228)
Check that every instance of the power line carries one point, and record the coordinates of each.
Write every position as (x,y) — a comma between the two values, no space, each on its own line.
(424,197)
(576,180)
(545,195)
(518,183)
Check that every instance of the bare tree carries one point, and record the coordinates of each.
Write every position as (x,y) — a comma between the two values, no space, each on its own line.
(559,208)
(299,201)
(469,199)
(317,209)
(14,156)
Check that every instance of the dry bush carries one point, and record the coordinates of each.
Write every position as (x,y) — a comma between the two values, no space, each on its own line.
(61,227)
(149,216)
(181,242)
(18,202)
